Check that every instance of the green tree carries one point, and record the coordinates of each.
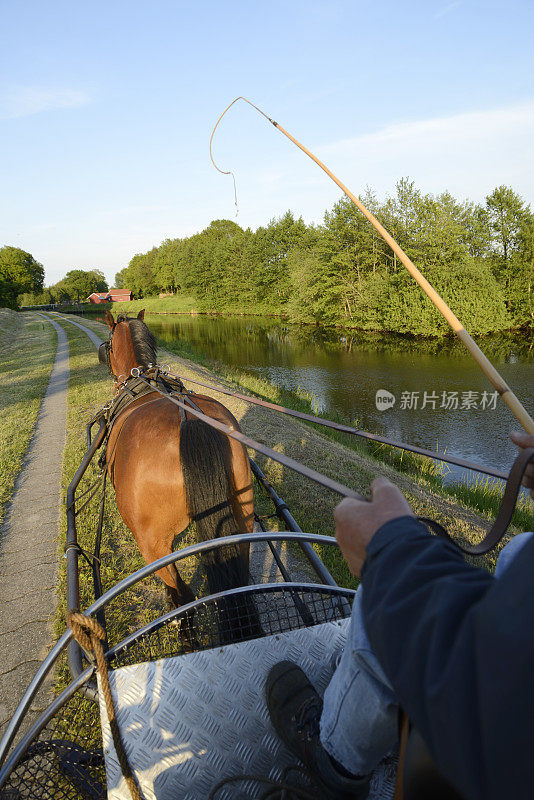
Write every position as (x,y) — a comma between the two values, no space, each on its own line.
(78,284)
(120,279)
(520,288)
(139,274)
(508,218)
(166,265)
(507,214)
(19,273)
(273,245)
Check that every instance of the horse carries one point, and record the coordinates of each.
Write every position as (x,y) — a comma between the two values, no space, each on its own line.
(168,471)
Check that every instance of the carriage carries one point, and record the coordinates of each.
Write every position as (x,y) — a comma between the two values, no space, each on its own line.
(175,698)
(171,705)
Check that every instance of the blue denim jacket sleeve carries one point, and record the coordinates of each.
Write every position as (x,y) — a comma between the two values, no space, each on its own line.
(458,648)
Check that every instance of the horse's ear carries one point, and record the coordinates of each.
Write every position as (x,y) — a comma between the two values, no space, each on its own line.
(141,315)
(109,319)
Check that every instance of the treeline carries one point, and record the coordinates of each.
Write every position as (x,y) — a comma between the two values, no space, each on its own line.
(75,287)
(22,282)
(479,257)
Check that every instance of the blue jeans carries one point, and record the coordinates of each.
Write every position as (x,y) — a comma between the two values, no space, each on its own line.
(360,711)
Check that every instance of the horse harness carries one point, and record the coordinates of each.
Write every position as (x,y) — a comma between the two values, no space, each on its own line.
(139,383)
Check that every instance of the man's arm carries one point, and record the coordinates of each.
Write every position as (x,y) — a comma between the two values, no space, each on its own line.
(455,643)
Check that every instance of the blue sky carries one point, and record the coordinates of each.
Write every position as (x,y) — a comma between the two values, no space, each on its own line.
(106,110)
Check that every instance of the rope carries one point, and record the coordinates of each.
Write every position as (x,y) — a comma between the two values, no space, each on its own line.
(90,634)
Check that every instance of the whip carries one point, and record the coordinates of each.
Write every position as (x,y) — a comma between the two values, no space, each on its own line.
(487,367)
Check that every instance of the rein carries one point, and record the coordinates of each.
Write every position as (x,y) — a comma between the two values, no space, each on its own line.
(327,423)
(157,379)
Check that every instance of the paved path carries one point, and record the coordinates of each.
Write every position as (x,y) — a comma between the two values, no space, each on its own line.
(28,545)
(96,340)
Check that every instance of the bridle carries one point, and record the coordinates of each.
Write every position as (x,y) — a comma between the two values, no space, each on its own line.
(105,349)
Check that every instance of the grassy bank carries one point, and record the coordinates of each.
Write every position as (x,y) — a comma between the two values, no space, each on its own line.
(27,352)
(184,304)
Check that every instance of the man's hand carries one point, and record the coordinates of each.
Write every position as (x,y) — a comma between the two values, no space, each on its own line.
(524,440)
(357,521)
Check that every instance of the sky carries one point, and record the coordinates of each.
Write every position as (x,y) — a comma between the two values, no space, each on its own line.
(106,111)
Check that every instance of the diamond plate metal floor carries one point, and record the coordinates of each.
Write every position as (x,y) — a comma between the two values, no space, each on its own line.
(190,721)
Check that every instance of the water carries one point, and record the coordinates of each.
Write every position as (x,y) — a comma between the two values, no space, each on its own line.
(343,375)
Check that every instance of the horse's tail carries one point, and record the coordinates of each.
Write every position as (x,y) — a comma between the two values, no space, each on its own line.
(206,467)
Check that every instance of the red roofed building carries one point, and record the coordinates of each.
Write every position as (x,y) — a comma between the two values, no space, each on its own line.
(99,297)
(113,296)
(120,295)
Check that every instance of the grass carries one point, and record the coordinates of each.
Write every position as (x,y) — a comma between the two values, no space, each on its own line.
(173,304)
(27,352)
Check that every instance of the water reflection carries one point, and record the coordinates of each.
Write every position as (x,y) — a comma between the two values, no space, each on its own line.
(343,373)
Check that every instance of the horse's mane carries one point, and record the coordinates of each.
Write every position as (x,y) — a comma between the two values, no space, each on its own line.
(143,340)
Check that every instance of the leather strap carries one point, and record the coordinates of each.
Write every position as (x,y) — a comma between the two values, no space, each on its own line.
(504,515)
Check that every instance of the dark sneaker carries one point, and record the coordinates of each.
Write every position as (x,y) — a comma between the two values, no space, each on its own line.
(295,709)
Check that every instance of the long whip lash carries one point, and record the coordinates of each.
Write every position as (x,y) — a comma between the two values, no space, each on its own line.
(487,367)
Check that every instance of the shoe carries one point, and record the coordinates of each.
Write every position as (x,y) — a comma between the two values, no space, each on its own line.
(295,709)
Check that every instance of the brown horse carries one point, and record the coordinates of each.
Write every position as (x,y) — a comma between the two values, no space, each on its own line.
(168,471)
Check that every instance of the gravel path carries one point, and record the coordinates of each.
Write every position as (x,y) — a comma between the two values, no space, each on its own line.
(28,546)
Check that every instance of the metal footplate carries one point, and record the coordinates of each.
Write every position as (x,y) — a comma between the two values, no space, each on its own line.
(192,720)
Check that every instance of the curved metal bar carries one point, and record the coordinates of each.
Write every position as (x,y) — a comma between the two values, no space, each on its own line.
(126,583)
(40,723)
(290,586)
(85,676)
(201,547)
(71,547)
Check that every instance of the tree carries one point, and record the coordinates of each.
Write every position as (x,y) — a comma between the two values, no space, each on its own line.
(78,284)
(19,273)
(43,298)
(507,214)
(508,218)
(520,289)
(273,245)
(166,265)
(120,278)
(139,274)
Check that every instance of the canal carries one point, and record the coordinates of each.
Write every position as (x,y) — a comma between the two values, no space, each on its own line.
(441,398)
